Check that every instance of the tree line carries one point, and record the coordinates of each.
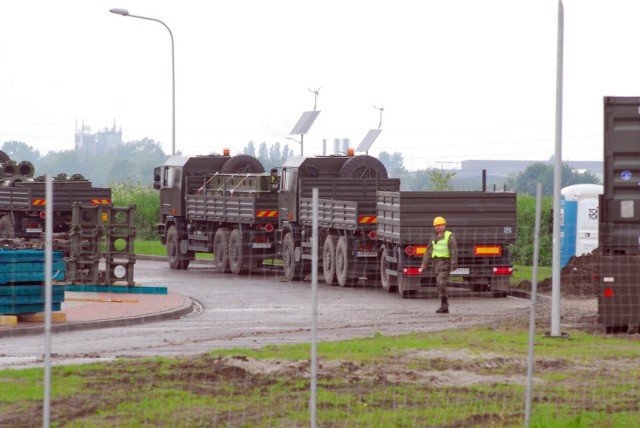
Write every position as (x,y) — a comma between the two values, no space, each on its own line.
(134,162)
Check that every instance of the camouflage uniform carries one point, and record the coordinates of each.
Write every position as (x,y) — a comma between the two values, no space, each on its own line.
(442,267)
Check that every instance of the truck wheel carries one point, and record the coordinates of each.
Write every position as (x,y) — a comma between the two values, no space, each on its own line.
(243,164)
(221,249)
(292,269)
(175,259)
(389,282)
(235,252)
(329,259)
(342,263)
(6,228)
(363,166)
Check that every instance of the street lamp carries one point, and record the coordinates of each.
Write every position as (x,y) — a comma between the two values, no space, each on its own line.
(125,12)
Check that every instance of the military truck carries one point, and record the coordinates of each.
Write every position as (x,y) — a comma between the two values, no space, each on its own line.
(347,188)
(203,199)
(619,217)
(484,224)
(23,200)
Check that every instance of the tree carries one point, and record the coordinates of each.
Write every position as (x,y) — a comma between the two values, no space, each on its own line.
(394,163)
(250,149)
(527,180)
(441,181)
(272,156)
(19,151)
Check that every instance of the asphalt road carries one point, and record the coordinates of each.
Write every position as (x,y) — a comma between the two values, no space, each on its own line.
(252,311)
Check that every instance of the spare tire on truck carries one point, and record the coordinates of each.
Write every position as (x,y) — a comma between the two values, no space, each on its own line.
(243,164)
(363,166)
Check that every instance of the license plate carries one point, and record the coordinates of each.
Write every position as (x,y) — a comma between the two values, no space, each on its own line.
(261,245)
(366,254)
(33,230)
(460,271)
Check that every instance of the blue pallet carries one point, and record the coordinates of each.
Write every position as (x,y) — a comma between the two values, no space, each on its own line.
(29,299)
(9,268)
(21,290)
(6,278)
(26,309)
(21,256)
(91,288)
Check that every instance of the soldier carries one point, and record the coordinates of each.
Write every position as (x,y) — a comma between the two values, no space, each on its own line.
(442,256)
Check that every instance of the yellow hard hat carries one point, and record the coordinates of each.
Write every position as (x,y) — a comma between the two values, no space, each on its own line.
(439,220)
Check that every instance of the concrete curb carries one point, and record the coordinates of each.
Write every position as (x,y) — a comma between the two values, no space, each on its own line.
(185,309)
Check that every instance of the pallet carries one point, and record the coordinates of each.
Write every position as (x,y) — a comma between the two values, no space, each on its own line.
(115,289)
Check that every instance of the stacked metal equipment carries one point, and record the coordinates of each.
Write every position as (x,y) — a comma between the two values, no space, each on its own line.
(85,252)
(102,233)
(120,232)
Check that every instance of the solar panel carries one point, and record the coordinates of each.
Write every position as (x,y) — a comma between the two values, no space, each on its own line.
(305,122)
(368,140)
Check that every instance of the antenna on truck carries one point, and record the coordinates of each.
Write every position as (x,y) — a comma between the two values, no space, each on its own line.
(306,120)
(371,136)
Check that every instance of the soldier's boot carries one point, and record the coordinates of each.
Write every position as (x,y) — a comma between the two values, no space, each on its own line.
(444,306)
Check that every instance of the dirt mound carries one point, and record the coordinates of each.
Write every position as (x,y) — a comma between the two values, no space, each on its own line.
(577,277)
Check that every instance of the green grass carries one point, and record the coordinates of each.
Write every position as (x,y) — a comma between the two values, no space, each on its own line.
(155,248)
(521,273)
(585,381)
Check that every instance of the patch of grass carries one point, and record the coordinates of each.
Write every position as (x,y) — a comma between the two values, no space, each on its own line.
(586,380)
(521,273)
(155,248)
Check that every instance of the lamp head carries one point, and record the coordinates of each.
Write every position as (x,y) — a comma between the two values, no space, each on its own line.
(118,11)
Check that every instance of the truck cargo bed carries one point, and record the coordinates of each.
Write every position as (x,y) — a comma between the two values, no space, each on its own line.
(407,217)
(31,196)
(242,209)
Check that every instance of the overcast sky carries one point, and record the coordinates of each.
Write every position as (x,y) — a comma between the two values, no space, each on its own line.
(458,80)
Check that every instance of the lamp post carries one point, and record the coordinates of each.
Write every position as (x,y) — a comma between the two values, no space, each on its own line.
(125,12)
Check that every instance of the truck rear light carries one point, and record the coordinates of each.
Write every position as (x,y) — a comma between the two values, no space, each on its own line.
(487,250)
(268,227)
(410,250)
(373,235)
(412,271)
(608,292)
(502,270)
(43,214)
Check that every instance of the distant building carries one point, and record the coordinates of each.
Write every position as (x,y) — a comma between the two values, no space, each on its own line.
(90,143)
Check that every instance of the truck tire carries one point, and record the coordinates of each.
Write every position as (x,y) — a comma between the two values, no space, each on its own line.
(342,263)
(4,157)
(329,259)
(6,228)
(221,249)
(174,257)
(243,164)
(363,166)
(292,269)
(389,282)
(236,262)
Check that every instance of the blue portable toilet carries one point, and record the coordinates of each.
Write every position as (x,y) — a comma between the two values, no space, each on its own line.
(578,220)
